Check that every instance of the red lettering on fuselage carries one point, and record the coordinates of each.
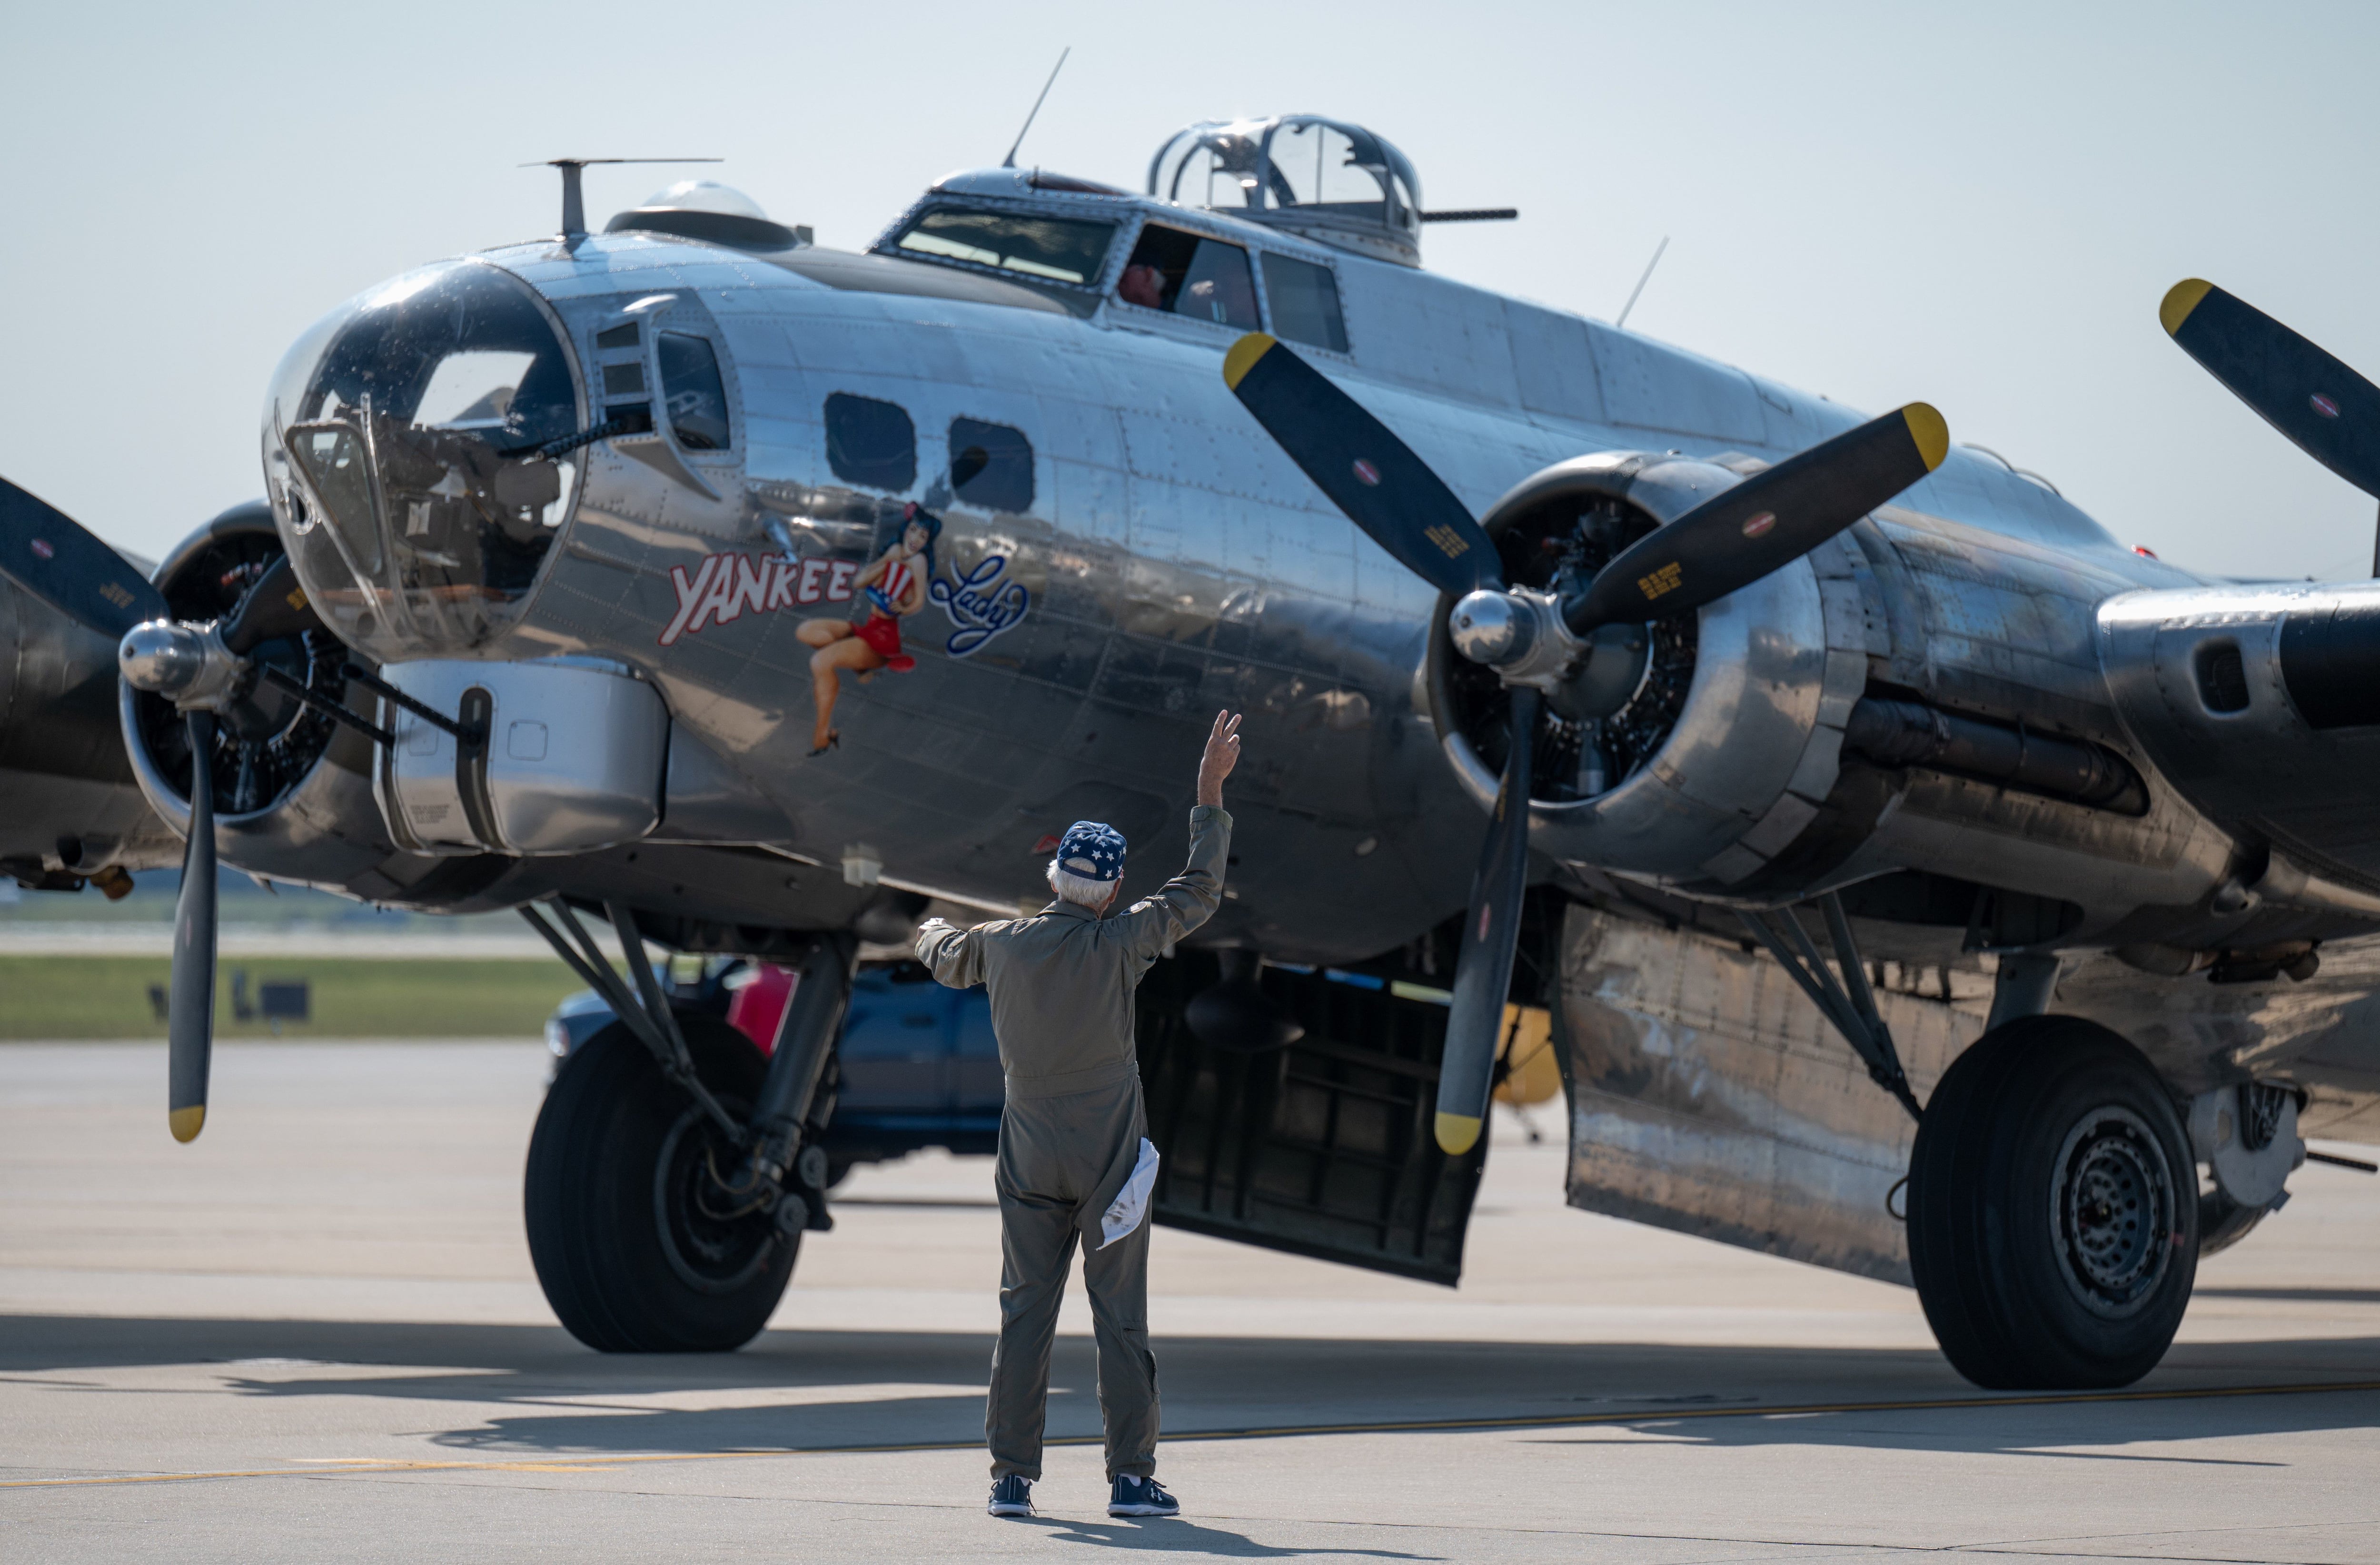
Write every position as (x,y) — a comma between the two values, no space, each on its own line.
(725,586)
(690,595)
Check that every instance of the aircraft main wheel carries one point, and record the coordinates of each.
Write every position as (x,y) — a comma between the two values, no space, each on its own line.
(2053,1210)
(640,1248)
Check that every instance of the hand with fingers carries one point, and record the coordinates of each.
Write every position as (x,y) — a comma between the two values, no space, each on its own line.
(1222,754)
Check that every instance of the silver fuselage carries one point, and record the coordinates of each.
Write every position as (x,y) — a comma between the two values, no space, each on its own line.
(1175,562)
(1171,561)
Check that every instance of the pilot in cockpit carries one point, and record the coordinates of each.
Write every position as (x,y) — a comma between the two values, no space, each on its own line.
(1183,275)
(1142,285)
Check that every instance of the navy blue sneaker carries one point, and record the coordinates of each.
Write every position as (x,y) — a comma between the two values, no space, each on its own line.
(1012,1496)
(1141,1496)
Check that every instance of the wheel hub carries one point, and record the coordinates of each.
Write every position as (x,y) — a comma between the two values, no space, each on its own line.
(714,1238)
(2112,1207)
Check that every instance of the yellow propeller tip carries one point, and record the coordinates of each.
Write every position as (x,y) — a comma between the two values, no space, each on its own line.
(1242,358)
(2179,300)
(187,1122)
(1457,1133)
(1927,429)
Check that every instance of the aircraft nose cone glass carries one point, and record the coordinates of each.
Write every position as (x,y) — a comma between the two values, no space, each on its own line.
(404,441)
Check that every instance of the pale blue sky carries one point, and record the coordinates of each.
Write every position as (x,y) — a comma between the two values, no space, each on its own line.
(1978,205)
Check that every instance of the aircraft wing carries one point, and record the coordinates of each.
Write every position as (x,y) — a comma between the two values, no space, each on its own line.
(74,808)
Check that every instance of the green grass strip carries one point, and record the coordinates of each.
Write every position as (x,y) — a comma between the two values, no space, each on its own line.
(94,997)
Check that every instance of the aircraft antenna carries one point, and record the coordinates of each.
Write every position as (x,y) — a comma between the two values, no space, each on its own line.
(1010,160)
(1623,323)
(574,201)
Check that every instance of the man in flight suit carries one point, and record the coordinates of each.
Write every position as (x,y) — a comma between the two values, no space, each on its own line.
(1074,1160)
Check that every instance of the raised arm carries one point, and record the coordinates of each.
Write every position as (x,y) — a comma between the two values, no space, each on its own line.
(1190,898)
(1221,754)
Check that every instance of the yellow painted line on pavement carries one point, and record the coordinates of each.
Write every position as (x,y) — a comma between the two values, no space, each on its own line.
(340,1467)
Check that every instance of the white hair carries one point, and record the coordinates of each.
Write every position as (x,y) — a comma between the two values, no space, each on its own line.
(1080,890)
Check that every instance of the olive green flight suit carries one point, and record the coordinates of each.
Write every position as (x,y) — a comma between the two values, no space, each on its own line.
(1072,1140)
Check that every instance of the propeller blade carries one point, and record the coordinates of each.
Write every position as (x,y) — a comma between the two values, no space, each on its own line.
(52,557)
(1365,470)
(2329,411)
(1768,520)
(189,1028)
(1483,973)
(274,607)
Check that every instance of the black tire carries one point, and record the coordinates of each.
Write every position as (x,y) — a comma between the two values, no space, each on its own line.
(2053,1210)
(629,1257)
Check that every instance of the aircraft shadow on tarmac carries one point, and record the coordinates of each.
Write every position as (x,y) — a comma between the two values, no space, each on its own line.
(1177,1536)
(550,1396)
(2297,1295)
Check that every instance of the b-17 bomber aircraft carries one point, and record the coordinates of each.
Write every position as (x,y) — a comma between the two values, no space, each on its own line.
(1915,881)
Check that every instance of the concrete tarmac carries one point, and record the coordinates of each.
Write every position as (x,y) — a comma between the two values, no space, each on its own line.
(315,1335)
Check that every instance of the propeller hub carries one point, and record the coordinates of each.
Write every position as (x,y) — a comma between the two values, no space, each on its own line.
(1518,633)
(1492,628)
(1617,656)
(186,664)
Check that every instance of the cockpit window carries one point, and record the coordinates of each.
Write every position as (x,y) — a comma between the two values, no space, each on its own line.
(1184,273)
(690,383)
(1061,248)
(407,440)
(1304,300)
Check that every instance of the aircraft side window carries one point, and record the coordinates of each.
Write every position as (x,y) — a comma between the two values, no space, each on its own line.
(1063,249)
(1304,300)
(991,466)
(691,387)
(870,442)
(1184,273)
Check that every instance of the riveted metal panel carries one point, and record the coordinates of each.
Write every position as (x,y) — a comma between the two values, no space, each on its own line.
(1553,363)
(1649,384)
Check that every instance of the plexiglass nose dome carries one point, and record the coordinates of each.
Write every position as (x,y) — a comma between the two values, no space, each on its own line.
(417,446)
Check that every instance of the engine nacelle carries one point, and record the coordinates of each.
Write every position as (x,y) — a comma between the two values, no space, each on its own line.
(1727,739)
(2288,674)
(293,789)
(583,756)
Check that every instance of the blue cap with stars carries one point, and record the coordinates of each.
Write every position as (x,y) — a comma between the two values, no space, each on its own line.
(1092,849)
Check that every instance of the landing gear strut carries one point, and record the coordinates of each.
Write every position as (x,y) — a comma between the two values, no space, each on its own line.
(1850,1004)
(675,1169)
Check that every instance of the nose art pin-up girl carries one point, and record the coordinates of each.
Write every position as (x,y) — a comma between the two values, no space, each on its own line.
(893,585)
